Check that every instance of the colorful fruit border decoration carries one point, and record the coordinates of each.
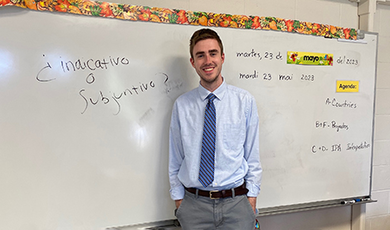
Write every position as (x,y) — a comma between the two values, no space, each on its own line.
(173,16)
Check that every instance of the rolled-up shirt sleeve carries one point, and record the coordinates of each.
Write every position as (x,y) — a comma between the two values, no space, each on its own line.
(176,156)
(251,151)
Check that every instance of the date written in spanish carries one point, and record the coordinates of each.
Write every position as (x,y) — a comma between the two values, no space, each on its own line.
(266,55)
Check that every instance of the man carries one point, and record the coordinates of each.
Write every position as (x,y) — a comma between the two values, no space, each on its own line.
(214,165)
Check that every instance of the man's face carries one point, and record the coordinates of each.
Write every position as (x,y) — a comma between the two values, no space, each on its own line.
(207,61)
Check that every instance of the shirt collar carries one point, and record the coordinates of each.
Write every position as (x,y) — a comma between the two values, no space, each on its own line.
(219,92)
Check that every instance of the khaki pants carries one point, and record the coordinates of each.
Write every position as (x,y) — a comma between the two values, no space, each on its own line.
(203,213)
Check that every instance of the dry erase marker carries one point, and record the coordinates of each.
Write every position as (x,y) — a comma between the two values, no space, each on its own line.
(348,202)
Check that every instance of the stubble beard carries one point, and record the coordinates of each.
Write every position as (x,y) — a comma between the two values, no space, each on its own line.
(210,80)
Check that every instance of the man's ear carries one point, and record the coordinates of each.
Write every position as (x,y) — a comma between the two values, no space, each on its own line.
(192,62)
(223,58)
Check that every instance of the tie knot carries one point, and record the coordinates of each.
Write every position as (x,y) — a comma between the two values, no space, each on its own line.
(211,97)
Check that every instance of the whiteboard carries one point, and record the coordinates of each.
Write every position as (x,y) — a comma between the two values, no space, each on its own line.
(86,104)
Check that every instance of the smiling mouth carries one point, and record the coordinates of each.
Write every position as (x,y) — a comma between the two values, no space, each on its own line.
(208,69)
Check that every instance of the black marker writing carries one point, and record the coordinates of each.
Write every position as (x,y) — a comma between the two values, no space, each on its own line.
(40,71)
(92,65)
(355,147)
(69,66)
(108,97)
(266,55)
(337,104)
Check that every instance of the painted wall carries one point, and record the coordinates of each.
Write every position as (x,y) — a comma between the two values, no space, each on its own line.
(378,214)
(338,13)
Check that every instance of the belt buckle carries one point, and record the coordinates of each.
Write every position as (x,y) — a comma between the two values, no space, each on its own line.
(211,194)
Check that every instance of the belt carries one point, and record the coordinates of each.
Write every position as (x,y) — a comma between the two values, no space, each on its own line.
(215,194)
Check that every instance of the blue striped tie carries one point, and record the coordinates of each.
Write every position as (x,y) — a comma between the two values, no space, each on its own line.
(206,170)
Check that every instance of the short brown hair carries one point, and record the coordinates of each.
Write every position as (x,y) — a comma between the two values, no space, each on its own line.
(204,34)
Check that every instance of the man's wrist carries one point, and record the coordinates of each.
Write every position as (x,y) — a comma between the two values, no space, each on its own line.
(178,203)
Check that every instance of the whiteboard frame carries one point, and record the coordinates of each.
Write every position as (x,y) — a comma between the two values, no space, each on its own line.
(296,207)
